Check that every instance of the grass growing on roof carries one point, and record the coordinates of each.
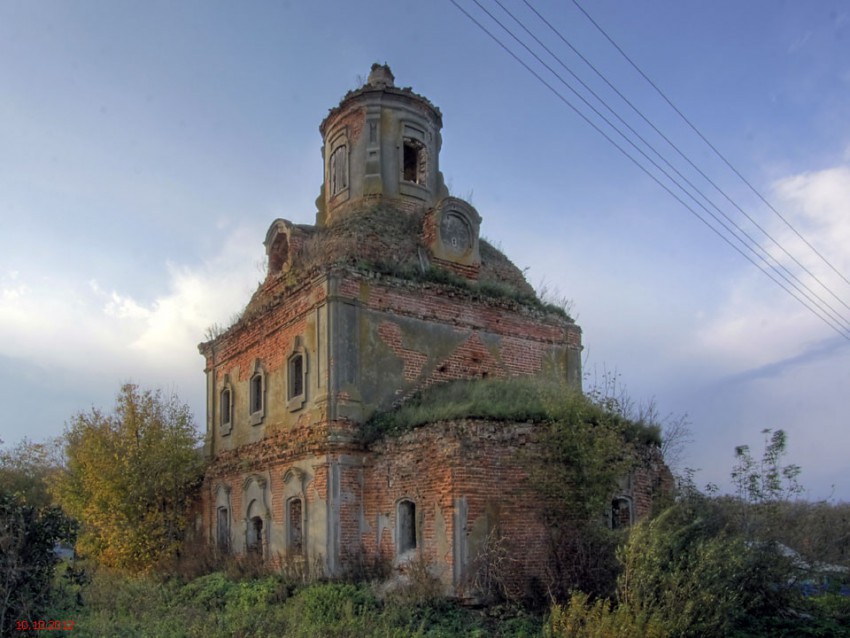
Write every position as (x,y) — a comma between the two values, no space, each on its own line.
(513,399)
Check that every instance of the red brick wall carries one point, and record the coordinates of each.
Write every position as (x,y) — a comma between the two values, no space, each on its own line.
(472,460)
(484,463)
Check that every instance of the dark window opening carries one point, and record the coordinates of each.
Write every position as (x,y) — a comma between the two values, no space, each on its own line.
(255,535)
(406,526)
(621,513)
(225,407)
(223,529)
(413,162)
(256,393)
(296,542)
(296,376)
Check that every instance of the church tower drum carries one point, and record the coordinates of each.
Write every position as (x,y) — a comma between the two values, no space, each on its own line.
(380,143)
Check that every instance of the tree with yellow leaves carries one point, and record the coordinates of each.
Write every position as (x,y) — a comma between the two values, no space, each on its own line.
(129,478)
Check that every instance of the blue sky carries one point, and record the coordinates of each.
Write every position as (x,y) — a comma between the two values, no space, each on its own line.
(146,146)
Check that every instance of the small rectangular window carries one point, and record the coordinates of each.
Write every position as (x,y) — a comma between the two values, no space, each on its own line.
(297,376)
(256,393)
(411,161)
(225,407)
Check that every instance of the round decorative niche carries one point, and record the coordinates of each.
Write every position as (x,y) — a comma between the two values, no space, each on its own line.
(455,233)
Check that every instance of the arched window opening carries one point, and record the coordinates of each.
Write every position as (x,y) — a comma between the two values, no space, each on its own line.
(294,515)
(621,513)
(413,161)
(226,408)
(406,526)
(296,376)
(256,393)
(223,529)
(278,253)
(339,170)
(255,535)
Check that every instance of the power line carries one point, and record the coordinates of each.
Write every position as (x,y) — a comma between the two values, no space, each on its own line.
(710,145)
(797,284)
(830,322)
(670,142)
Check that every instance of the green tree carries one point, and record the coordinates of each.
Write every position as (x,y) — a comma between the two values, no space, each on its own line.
(28,535)
(26,470)
(129,478)
(764,486)
(710,566)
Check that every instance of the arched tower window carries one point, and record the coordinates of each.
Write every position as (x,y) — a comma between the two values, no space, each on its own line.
(296,375)
(413,161)
(256,393)
(338,169)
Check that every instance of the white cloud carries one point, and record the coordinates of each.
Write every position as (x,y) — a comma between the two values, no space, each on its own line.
(13,293)
(72,321)
(125,308)
(759,323)
(11,288)
(820,202)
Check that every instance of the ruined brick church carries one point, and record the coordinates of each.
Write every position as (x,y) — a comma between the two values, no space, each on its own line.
(391,291)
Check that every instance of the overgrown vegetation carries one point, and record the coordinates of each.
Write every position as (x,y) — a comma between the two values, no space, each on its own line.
(215,605)
(711,567)
(28,535)
(386,241)
(704,566)
(514,399)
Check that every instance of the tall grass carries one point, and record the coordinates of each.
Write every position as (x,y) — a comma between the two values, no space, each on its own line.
(214,606)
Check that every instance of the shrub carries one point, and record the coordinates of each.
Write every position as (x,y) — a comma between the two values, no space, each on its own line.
(583,619)
(699,578)
(27,538)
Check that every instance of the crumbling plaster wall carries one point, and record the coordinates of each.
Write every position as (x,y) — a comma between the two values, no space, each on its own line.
(370,342)
(395,337)
(281,476)
(270,339)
